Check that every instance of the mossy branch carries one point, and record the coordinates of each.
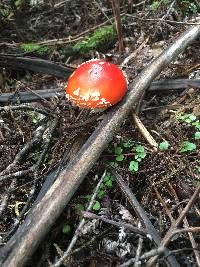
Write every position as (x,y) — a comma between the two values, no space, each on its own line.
(101,40)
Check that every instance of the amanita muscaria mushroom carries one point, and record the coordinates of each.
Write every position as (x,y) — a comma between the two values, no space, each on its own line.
(96,84)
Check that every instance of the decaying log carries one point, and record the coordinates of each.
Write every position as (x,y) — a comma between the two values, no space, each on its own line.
(40,219)
(34,64)
(38,95)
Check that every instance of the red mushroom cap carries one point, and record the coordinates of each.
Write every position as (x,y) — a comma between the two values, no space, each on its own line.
(96,84)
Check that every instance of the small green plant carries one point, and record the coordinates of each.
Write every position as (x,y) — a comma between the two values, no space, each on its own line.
(140,154)
(36,117)
(196,124)
(66,229)
(21,3)
(164,145)
(191,120)
(155,5)
(183,7)
(188,6)
(193,8)
(119,153)
(107,181)
(188,118)
(80,207)
(187,146)
(129,146)
(197,136)
(96,206)
(133,166)
(106,185)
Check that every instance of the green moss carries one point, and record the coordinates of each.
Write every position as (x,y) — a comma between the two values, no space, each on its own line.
(37,49)
(100,40)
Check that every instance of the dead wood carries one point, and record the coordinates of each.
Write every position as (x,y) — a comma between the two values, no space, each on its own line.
(69,154)
(128,226)
(40,95)
(146,223)
(80,225)
(30,96)
(176,84)
(40,219)
(34,64)
(174,227)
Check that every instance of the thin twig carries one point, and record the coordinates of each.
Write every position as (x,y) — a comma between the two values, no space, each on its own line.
(116,12)
(137,262)
(134,53)
(35,169)
(37,135)
(127,226)
(186,224)
(80,226)
(166,20)
(15,175)
(152,232)
(5,197)
(147,255)
(186,230)
(102,11)
(145,133)
(26,107)
(75,38)
(173,229)
(163,204)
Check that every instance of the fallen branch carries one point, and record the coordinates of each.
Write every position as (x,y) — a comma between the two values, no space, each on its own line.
(39,95)
(144,220)
(127,226)
(173,230)
(80,226)
(164,20)
(40,219)
(186,224)
(34,64)
(28,96)
(144,132)
(137,262)
(27,107)
(37,136)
